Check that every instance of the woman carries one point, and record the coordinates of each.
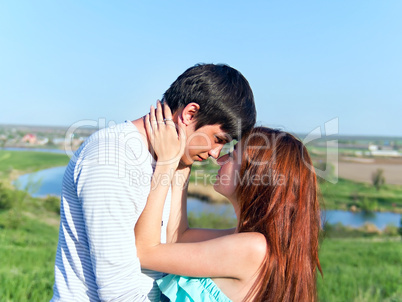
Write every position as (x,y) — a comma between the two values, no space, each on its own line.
(273,253)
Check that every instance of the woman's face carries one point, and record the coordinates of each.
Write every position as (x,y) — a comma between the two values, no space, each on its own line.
(228,175)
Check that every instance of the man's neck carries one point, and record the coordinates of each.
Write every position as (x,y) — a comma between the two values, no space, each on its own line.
(139,124)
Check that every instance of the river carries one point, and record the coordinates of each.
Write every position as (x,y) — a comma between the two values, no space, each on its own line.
(49,181)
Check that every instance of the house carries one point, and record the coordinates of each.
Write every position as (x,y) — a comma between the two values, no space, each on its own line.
(386,151)
(29,138)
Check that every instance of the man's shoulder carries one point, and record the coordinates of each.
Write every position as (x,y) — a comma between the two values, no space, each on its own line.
(115,138)
(122,131)
(120,142)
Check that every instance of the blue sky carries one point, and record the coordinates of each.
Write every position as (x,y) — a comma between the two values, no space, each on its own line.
(308,62)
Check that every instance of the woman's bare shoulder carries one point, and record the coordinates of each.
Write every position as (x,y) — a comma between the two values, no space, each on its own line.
(251,246)
(249,252)
(254,242)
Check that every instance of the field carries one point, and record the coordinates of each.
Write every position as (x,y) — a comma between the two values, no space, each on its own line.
(362,171)
(27,260)
(361,269)
(358,266)
(355,269)
(16,162)
(347,195)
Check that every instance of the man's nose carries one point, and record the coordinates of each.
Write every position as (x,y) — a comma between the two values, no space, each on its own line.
(215,152)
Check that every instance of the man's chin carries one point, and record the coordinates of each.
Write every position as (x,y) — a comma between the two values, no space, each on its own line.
(184,163)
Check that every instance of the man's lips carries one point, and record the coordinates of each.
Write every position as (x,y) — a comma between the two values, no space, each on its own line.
(200,158)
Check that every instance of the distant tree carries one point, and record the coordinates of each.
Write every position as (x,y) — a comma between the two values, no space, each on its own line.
(368,205)
(3,142)
(400,228)
(50,143)
(378,178)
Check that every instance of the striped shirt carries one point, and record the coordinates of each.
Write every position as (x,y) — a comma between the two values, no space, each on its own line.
(105,189)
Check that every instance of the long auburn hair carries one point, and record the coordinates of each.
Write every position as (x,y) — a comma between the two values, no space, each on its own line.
(277,196)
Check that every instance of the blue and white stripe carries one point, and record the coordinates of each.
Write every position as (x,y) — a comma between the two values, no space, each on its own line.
(105,189)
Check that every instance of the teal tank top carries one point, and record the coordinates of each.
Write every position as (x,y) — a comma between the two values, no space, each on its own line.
(186,289)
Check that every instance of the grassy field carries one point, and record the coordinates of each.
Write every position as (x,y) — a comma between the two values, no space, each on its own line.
(355,269)
(28,161)
(357,266)
(360,270)
(27,260)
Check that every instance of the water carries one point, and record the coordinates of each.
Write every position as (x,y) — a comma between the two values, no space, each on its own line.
(42,183)
(50,181)
(198,206)
(379,219)
(34,150)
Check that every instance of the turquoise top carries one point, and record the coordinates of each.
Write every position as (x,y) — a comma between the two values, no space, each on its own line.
(186,289)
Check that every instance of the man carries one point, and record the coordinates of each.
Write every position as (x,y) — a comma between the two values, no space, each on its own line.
(107,182)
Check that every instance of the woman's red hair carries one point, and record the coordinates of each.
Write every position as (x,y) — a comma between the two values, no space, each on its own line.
(277,195)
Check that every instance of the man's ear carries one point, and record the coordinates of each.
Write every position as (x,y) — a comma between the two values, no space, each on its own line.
(188,113)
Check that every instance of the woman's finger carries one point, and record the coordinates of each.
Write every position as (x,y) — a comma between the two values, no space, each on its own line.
(148,129)
(154,124)
(159,114)
(167,112)
(147,125)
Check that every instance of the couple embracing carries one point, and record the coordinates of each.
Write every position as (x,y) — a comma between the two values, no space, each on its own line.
(124,234)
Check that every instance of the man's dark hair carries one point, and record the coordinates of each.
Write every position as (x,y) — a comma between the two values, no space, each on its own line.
(223,93)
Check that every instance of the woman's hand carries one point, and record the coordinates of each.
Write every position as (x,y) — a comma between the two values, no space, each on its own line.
(167,140)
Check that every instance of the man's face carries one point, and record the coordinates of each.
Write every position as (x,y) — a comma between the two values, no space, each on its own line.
(203,142)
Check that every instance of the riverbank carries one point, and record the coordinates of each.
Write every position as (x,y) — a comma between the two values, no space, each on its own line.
(16,163)
(345,195)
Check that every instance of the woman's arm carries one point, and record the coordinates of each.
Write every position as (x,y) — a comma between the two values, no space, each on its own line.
(168,147)
(178,223)
(237,256)
(233,256)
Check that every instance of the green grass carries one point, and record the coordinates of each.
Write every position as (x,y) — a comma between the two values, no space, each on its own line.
(27,261)
(361,270)
(209,221)
(29,161)
(355,269)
